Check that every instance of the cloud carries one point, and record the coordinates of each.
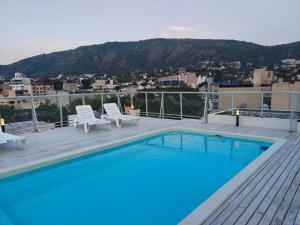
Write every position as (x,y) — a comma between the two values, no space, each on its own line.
(185,32)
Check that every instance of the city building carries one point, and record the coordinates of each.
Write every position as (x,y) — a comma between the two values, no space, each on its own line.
(263,76)
(70,86)
(281,101)
(1,90)
(171,80)
(183,78)
(131,88)
(191,79)
(20,83)
(42,89)
(262,81)
(42,86)
(241,98)
(99,85)
(208,85)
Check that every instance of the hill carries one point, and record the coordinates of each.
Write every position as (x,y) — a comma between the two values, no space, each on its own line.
(124,57)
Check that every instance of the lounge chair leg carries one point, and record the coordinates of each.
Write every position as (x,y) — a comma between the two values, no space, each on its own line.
(86,128)
(21,144)
(75,122)
(119,123)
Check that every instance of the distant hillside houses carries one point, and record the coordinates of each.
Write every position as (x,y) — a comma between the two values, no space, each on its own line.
(182,78)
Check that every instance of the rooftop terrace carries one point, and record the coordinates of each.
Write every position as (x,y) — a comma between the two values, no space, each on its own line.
(270,196)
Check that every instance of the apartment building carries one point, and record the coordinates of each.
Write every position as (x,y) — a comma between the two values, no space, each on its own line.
(1,89)
(262,81)
(70,86)
(42,89)
(207,84)
(282,101)
(20,83)
(183,78)
(42,86)
(263,77)
(242,99)
(99,85)
(191,80)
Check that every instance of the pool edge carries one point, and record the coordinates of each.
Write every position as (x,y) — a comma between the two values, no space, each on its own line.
(210,205)
(203,211)
(35,164)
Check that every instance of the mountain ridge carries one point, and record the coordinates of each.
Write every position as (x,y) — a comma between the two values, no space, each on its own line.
(145,55)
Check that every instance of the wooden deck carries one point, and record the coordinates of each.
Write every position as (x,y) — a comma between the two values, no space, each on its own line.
(270,196)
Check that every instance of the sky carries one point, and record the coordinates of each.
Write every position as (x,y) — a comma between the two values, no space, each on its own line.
(32,27)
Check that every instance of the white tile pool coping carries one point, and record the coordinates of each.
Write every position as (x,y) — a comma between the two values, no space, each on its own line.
(202,212)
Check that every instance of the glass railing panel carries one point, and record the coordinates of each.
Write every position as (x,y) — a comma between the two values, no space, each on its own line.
(280,105)
(17,114)
(139,102)
(172,105)
(154,104)
(193,105)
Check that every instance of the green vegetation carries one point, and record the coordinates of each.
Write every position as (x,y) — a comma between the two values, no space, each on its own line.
(7,112)
(122,58)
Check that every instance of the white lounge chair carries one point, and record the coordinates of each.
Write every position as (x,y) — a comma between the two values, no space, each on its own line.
(87,117)
(113,113)
(9,138)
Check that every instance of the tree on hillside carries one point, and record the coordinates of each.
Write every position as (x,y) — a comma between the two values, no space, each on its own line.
(57,84)
(86,84)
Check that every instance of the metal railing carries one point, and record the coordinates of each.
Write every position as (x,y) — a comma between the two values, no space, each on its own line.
(55,109)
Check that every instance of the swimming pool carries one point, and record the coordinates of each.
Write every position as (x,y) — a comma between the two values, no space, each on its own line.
(157,180)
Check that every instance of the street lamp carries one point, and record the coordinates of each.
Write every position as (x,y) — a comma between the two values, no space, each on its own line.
(2,124)
(237,113)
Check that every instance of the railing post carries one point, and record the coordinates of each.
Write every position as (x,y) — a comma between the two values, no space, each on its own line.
(180,97)
(146,102)
(162,109)
(131,101)
(232,103)
(102,102)
(34,117)
(119,102)
(293,108)
(262,105)
(205,109)
(60,111)
(83,100)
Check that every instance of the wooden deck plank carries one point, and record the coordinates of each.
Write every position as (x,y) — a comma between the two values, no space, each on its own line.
(297,220)
(253,199)
(293,209)
(287,200)
(230,218)
(261,178)
(271,211)
(270,190)
(254,220)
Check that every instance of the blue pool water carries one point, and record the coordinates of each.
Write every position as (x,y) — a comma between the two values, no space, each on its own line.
(157,180)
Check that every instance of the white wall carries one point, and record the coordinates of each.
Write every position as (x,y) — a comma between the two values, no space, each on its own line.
(273,123)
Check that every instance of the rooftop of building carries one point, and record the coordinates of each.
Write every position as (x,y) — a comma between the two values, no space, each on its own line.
(271,194)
